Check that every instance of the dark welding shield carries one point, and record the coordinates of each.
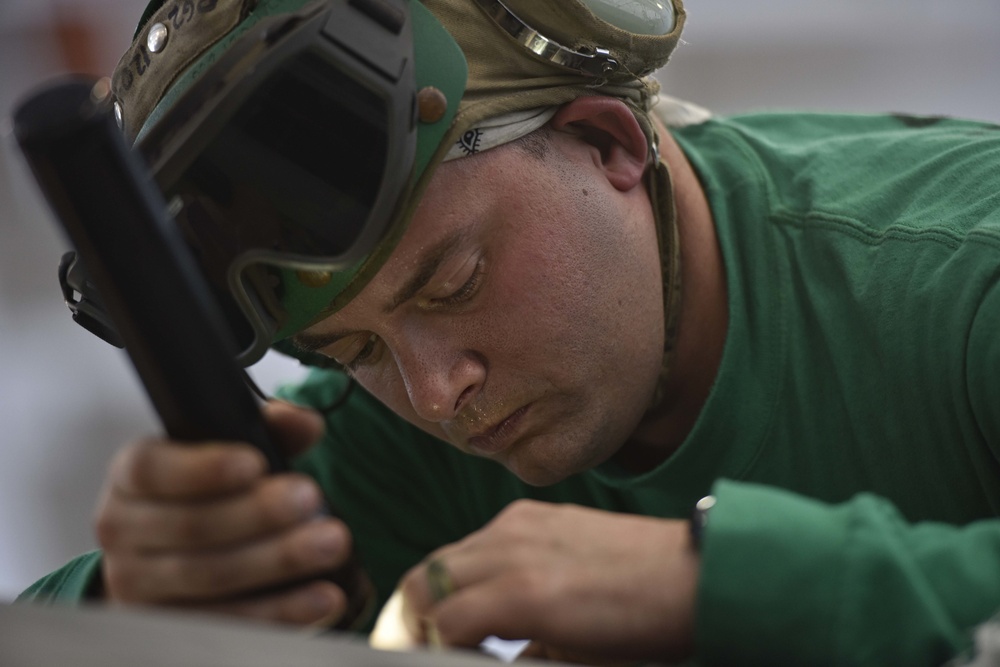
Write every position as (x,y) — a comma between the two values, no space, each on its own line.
(286,161)
(292,139)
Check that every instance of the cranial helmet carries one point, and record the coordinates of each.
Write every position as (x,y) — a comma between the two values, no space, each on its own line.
(293,139)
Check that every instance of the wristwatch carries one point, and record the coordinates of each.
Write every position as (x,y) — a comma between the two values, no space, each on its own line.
(699,519)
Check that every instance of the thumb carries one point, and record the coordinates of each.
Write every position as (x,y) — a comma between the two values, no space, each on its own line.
(294,428)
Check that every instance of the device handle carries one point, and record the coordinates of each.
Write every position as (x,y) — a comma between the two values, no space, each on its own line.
(148,279)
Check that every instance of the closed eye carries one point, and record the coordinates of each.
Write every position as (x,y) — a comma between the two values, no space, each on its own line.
(363,355)
(466,291)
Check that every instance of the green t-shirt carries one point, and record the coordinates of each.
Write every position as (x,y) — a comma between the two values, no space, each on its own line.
(862,257)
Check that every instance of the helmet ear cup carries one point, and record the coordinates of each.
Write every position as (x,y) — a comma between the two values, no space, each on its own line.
(640,17)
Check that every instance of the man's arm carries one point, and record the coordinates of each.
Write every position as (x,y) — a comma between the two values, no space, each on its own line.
(584,585)
(778,579)
(788,580)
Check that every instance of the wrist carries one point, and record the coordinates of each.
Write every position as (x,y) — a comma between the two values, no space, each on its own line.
(683,584)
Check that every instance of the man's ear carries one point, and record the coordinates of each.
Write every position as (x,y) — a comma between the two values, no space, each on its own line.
(607,124)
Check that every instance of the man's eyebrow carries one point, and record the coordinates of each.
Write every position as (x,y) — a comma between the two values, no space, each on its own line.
(308,342)
(428,264)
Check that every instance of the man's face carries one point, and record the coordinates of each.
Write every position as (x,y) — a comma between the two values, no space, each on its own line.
(520,318)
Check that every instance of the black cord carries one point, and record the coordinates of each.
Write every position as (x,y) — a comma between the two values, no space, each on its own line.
(340,400)
(327,411)
(254,388)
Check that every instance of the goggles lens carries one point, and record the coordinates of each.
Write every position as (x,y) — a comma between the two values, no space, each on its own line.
(297,170)
(291,152)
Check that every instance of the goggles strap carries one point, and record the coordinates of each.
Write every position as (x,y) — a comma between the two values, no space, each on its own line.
(664,209)
(173,37)
(595,61)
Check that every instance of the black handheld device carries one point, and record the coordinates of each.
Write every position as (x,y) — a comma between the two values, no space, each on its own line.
(150,286)
(149,282)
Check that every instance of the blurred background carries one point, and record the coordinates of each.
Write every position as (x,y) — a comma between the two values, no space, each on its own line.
(68,400)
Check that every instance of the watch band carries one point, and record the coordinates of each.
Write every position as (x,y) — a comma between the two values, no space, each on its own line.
(699,520)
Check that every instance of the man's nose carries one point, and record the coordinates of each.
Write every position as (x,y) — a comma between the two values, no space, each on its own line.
(440,376)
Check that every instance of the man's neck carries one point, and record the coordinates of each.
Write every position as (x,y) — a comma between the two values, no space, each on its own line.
(702,324)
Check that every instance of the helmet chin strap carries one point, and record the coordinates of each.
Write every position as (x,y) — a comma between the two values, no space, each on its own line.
(661,195)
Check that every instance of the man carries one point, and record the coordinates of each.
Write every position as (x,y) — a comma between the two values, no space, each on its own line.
(794,314)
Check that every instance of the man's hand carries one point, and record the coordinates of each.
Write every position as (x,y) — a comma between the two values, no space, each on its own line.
(204,526)
(584,585)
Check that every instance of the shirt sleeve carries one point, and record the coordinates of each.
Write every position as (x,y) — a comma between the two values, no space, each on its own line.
(983,377)
(789,580)
(78,580)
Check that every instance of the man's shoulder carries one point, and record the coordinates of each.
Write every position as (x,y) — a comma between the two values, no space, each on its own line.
(877,171)
(801,126)
(855,139)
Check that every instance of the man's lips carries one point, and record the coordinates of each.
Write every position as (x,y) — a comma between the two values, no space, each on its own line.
(497,438)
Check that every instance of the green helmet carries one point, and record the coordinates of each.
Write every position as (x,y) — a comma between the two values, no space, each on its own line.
(293,139)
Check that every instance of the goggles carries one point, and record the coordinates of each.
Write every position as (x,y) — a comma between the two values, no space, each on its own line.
(292,151)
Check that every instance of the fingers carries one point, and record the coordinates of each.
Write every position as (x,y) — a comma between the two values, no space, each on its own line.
(160,470)
(277,503)
(202,525)
(487,598)
(582,582)
(305,551)
(294,428)
(494,607)
(318,603)
(164,470)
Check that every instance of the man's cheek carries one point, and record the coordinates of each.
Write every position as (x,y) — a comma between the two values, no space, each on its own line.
(386,384)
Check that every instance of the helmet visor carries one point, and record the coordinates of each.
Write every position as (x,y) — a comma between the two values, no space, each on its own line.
(290,152)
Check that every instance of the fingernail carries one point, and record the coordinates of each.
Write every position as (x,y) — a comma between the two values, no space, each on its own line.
(302,412)
(306,498)
(327,542)
(319,603)
(243,468)
(325,612)
(318,423)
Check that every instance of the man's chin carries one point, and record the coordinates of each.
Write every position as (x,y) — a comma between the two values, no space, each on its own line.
(539,473)
(536,477)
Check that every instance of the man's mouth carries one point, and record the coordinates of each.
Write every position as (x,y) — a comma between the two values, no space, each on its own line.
(498,437)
